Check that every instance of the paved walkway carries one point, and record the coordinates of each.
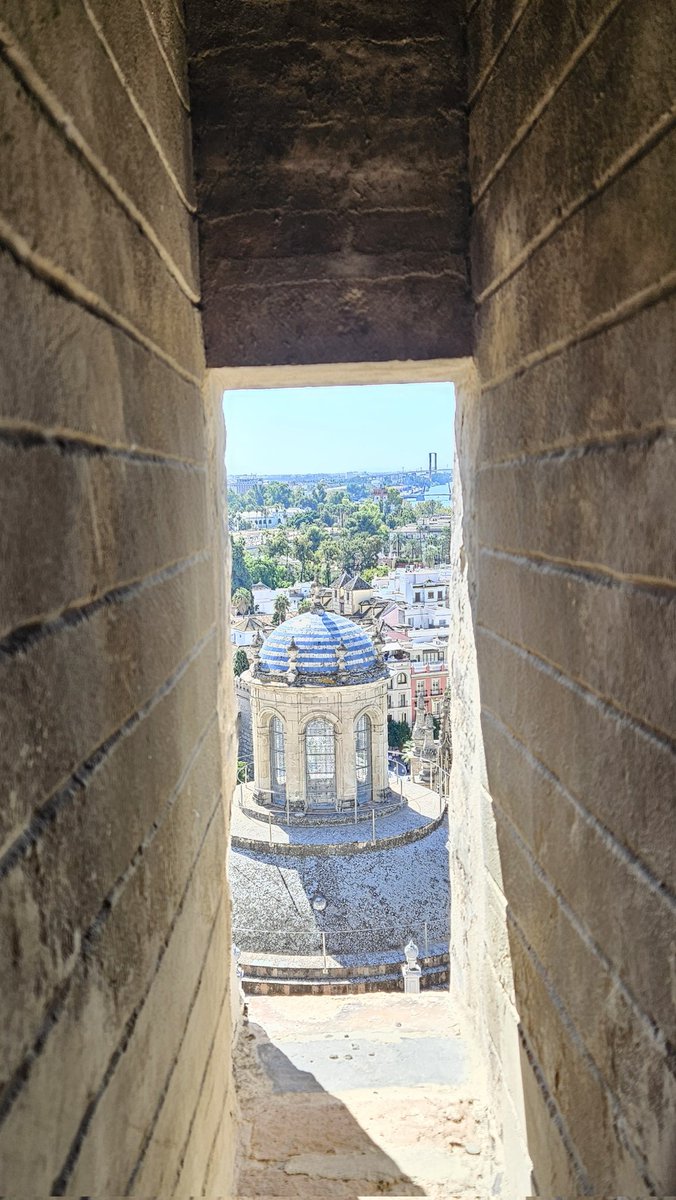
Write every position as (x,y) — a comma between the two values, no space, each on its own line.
(360,1096)
(422,808)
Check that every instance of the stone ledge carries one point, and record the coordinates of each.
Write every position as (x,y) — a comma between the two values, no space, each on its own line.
(436,977)
(326,849)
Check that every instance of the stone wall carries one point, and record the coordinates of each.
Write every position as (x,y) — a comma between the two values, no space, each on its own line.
(245,744)
(331,164)
(481,972)
(570,541)
(116,1021)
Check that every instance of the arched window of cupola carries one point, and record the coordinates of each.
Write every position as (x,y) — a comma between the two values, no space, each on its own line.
(320,762)
(363,742)
(277,761)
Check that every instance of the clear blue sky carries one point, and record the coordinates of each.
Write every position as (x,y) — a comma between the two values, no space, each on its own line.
(295,431)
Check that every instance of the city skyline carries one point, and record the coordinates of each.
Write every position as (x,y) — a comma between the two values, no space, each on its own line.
(333,430)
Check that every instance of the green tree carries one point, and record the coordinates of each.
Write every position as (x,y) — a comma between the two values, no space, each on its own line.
(241,575)
(240,662)
(278,494)
(327,560)
(281,610)
(398,733)
(365,518)
(266,570)
(242,601)
(277,544)
(305,606)
(257,494)
(318,493)
(303,550)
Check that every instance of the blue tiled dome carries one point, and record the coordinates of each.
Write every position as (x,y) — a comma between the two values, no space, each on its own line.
(317,636)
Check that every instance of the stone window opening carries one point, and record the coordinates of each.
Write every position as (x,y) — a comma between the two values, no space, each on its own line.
(277,761)
(363,752)
(320,762)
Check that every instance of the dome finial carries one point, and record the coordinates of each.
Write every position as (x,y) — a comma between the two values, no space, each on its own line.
(341,656)
(292,655)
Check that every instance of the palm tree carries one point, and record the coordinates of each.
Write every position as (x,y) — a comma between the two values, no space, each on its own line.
(281,610)
(242,600)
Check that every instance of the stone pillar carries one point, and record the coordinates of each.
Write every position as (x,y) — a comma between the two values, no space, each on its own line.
(379,757)
(349,781)
(295,752)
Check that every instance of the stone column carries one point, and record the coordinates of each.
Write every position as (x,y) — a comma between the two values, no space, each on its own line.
(349,761)
(295,747)
(379,755)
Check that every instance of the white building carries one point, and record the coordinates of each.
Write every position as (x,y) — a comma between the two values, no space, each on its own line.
(429,585)
(271,518)
(243,632)
(264,597)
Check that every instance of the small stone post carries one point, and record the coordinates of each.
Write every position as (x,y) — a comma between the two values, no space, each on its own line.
(411,969)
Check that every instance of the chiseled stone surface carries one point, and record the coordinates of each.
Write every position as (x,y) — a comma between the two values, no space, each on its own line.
(380,1095)
(567,463)
(331,174)
(115,1012)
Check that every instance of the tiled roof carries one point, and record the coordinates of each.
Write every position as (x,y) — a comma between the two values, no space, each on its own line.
(317,636)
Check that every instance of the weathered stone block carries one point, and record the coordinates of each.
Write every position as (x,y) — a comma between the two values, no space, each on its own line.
(334,114)
(488,26)
(64,370)
(123,269)
(577,623)
(616,382)
(163,100)
(620,774)
(185,1084)
(619,1038)
(260,21)
(565,906)
(555,1170)
(196,1003)
(68,692)
(590,1114)
(102,1007)
(95,522)
(349,320)
(549,508)
(64,47)
(50,897)
(610,103)
(539,49)
(209,1109)
(602,257)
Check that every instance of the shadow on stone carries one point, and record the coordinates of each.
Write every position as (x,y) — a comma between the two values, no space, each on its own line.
(300,1139)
